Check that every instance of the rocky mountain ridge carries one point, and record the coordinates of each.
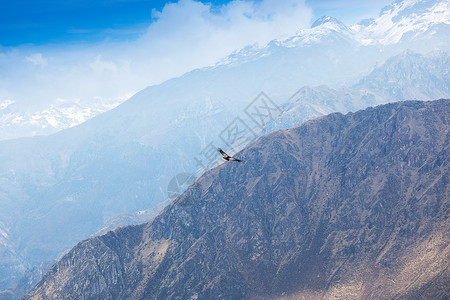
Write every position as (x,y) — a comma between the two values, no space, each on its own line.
(350,206)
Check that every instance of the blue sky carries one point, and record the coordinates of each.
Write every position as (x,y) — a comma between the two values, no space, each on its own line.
(61,21)
(41,22)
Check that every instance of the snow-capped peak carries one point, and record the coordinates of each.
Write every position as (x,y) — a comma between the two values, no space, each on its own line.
(15,120)
(401,17)
(327,20)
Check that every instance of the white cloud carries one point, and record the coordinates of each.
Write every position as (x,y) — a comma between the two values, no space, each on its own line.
(4,104)
(185,35)
(189,34)
(37,59)
(100,66)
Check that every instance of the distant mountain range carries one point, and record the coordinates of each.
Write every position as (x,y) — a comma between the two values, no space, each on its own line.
(341,207)
(405,76)
(57,190)
(328,53)
(410,76)
(16,122)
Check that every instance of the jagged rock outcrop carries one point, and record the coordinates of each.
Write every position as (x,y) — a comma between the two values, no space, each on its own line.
(345,206)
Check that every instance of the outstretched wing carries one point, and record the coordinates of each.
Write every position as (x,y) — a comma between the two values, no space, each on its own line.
(224,154)
(235,159)
(227,157)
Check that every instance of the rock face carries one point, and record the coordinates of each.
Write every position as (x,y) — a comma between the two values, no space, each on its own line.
(345,206)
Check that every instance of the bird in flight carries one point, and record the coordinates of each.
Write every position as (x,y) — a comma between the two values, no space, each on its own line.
(227,157)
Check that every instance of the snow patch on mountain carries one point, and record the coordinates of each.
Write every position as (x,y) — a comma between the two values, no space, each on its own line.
(401,17)
(16,121)
(329,21)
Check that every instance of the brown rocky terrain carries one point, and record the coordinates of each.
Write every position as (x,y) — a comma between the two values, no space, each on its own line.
(349,206)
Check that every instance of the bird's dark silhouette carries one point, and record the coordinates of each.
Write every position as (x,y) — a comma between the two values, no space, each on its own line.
(227,157)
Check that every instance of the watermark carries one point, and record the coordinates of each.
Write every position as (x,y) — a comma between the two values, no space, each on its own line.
(178,184)
(238,134)
(262,110)
(206,157)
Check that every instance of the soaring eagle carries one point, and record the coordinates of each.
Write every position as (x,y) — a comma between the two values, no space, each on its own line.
(227,157)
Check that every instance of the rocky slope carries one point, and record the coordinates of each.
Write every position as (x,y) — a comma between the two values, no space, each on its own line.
(348,207)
